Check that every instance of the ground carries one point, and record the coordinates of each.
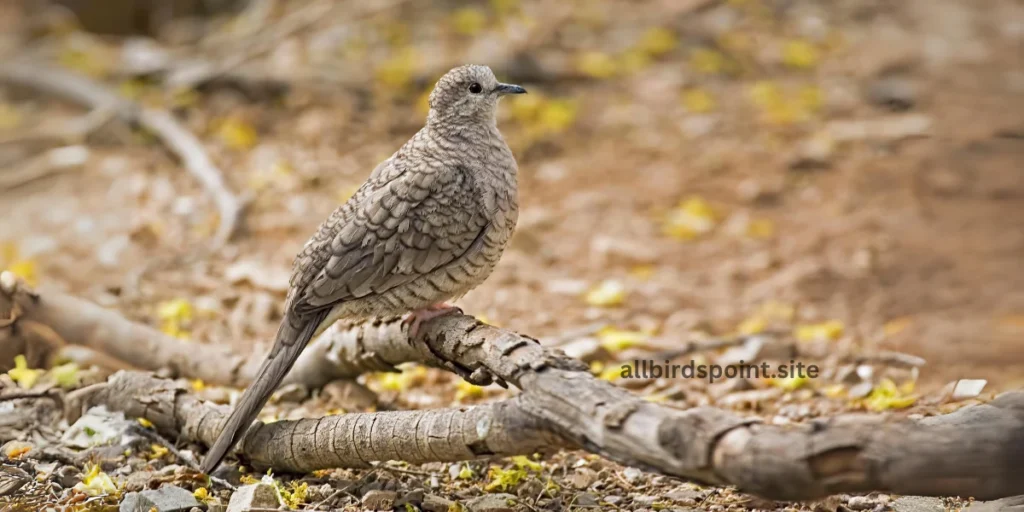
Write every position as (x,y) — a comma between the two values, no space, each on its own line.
(860,163)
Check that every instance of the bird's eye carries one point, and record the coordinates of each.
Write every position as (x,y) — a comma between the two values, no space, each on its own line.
(475,88)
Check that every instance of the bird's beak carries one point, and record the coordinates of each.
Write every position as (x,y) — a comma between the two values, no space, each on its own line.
(503,89)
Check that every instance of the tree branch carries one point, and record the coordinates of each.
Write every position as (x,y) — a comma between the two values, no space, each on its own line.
(977,451)
(94,95)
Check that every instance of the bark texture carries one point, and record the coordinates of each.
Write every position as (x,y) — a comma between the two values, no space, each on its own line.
(976,451)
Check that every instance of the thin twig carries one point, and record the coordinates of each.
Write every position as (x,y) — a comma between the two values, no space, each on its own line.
(176,138)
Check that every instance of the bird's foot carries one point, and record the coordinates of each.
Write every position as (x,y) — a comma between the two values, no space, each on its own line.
(417,317)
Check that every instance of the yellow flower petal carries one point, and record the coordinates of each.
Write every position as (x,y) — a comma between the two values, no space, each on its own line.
(24,376)
(886,395)
(698,101)
(658,41)
(468,21)
(707,61)
(596,65)
(10,117)
(830,330)
(175,315)
(753,325)
(26,270)
(617,340)
(236,133)
(608,293)
(96,482)
(800,54)
(524,462)
(465,390)
(690,219)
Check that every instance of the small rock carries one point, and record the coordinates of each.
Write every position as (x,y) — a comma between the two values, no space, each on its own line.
(612,499)
(944,181)
(585,500)
(632,474)
(861,503)
(750,398)
(435,503)
(585,349)
(292,393)
(745,353)
(412,498)
(259,274)
(686,494)
(378,499)
(493,503)
(68,156)
(860,390)
(566,286)
(645,500)
(895,92)
(582,478)
(815,152)
(135,481)
(254,496)
(68,476)
(917,504)
(894,127)
(97,427)
(968,388)
(169,498)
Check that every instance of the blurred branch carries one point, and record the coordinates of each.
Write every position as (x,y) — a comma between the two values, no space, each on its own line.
(162,124)
(976,451)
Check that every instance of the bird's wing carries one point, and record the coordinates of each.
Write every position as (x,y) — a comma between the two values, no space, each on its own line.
(408,224)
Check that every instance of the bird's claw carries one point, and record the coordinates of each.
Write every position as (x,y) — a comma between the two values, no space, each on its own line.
(416,318)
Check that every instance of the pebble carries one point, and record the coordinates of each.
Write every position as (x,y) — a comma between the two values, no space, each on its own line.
(645,500)
(861,503)
(99,426)
(169,498)
(582,478)
(435,503)
(632,474)
(500,502)
(585,500)
(918,504)
(968,388)
(379,499)
(254,496)
(897,93)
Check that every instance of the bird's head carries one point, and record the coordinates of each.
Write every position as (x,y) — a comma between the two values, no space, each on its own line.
(468,93)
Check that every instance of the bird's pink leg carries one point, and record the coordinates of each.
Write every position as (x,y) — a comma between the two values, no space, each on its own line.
(417,317)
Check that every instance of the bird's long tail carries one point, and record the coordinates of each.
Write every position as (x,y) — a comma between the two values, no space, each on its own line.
(293,335)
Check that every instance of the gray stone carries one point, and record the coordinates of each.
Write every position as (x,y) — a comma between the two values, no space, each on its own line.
(378,499)
(100,427)
(645,500)
(1005,504)
(861,503)
(893,92)
(493,503)
(586,500)
(632,474)
(917,504)
(169,498)
(435,503)
(254,496)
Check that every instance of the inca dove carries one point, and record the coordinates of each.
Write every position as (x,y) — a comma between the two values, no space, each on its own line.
(427,226)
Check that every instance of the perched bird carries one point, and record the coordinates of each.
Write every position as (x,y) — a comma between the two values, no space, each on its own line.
(428,225)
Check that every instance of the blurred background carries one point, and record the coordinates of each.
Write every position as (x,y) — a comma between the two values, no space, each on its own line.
(849,172)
